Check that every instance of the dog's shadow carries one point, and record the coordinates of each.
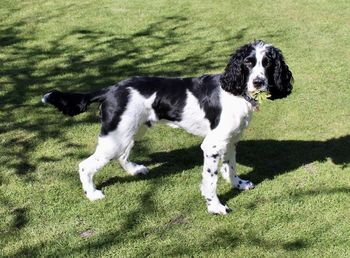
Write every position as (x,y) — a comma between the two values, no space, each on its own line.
(172,162)
(267,158)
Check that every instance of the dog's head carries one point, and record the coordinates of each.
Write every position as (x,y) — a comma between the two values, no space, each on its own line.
(257,67)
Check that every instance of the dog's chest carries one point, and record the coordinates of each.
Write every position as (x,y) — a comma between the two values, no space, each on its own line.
(236,114)
(239,123)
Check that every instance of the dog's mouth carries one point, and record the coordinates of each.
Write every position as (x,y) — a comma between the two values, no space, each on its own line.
(263,90)
(260,95)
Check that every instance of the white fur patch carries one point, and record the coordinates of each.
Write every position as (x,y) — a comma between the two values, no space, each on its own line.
(258,70)
(193,117)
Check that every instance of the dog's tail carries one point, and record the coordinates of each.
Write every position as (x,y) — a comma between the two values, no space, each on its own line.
(72,104)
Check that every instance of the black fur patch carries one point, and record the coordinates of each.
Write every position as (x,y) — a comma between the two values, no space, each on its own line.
(112,108)
(279,76)
(68,103)
(170,94)
(235,77)
(206,90)
(71,103)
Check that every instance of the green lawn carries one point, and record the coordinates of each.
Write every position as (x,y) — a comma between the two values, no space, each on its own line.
(296,150)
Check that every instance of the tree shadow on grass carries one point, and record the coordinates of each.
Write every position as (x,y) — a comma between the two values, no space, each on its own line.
(84,60)
(19,219)
(229,240)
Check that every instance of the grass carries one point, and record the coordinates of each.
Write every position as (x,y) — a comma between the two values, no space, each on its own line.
(296,150)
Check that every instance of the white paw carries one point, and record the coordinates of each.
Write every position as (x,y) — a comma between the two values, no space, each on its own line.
(95,195)
(138,169)
(218,208)
(243,184)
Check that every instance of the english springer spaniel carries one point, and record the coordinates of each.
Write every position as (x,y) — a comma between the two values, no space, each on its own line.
(216,107)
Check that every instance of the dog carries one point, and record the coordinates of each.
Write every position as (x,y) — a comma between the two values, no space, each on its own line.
(216,107)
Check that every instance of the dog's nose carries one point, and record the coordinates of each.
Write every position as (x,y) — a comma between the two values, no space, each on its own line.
(258,82)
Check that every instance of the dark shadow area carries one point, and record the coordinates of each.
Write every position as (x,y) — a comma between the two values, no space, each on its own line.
(21,219)
(295,245)
(270,158)
(10,35)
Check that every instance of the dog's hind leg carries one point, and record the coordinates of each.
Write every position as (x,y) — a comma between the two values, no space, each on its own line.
(228,170)
(131,167)
(107,149)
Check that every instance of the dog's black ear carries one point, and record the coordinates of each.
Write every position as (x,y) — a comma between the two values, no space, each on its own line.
(279,76)
(234,79)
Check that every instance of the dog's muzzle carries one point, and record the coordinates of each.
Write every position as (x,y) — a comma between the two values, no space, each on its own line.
(258,83)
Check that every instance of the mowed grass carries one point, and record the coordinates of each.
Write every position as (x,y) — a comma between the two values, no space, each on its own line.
(297,150)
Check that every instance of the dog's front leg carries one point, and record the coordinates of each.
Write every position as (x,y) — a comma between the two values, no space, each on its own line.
(209,180)
(228,170)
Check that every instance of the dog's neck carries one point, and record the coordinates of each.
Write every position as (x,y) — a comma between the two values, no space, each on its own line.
(252,102)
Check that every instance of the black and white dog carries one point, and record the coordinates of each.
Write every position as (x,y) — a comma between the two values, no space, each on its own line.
(217,107)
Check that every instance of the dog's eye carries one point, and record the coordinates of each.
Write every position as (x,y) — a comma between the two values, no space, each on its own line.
(266,62)
(249,62)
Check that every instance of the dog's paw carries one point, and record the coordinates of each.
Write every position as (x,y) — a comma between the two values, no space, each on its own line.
(95,195)
(218,208)
(137,170)
(243,184)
